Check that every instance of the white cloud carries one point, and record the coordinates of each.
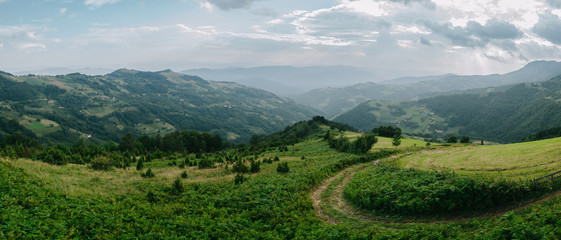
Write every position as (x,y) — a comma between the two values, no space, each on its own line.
(62,10)
(17,33)
(1,45)
(99,3)
(32,46)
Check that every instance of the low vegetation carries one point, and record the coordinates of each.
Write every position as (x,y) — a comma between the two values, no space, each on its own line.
(253,191)
(387,189)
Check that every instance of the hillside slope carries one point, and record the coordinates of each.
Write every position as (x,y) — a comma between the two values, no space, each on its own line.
(334,101)
(505,116)
(65,107)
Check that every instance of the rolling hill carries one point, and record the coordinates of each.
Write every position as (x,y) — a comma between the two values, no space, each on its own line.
(64,107)
(503,116)
(335,101)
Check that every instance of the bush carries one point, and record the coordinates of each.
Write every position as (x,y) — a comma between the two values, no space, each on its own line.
(177,187)
(101,163)
(239,179)
(240,167)
(148,174)
(184,174)
(254,166)
(139,164)
(206,163)
(283,167)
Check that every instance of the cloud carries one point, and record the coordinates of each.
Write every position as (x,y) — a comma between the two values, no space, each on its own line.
(493,29)
(554,3)
(1,45)
(3,1)
(99,3)
(62,10)
(19,33)
(549,27)
(230,4)
(32,45)
(474,34)
(425,41)
(427,3)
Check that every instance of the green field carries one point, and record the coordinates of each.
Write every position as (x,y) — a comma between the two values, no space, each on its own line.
(514,161)
(74,201)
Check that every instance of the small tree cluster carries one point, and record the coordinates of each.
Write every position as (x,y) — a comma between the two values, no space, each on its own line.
(283,167)
(362,145)
(386,131)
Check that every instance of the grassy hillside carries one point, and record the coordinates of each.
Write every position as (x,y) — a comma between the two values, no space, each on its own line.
(515,161)
(506,116)
(65,107)
(39,200)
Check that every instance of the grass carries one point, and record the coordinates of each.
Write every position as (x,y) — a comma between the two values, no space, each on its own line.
(384,142)
(513,161)
(268,205)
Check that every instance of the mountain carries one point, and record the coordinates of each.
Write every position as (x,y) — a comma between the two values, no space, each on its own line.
(62,108)
(334,101)
(293,80)
(63,71)
(410,80)
(503,116)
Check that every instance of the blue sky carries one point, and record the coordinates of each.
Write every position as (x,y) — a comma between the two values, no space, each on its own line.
(433,36)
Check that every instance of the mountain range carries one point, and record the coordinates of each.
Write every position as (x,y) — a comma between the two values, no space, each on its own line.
(508,115)
(289,80)
(335,101)
(64,108)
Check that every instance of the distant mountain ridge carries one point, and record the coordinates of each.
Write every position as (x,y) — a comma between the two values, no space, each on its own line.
(62,108)
(64,71)
(335,101)
(289,80)
(505,116)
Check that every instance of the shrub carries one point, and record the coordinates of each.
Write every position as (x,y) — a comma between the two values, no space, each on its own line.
(240,167)
(394,190)
(101,163)
(184,174)
(139,164)
(254,166)
(283,167)
(206,163)
(148,174)
(239,179)
(177,187)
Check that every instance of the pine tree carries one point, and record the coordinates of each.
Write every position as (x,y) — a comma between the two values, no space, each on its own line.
(139,165)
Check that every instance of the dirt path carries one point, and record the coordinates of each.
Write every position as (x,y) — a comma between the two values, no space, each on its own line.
(338,203)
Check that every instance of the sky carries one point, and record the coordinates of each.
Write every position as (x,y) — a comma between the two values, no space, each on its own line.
(432,36)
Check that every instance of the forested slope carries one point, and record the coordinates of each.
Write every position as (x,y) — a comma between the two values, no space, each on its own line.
(505,116)
(65,107)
